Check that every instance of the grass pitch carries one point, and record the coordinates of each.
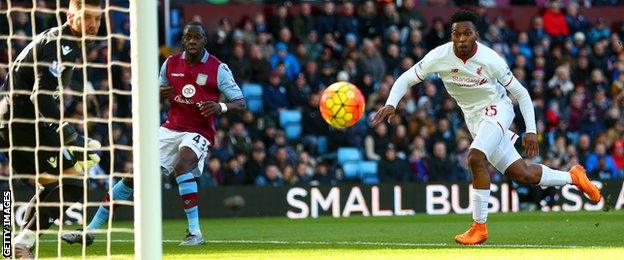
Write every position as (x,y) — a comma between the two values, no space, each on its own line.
(581,235)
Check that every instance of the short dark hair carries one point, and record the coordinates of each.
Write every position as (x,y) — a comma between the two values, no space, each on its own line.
(464,16)
(196,23)
(78,3)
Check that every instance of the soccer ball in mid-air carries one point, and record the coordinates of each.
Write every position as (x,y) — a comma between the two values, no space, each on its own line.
(342,104)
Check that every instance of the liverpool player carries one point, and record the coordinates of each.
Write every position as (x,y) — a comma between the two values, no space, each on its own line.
(192,81)
(478,79)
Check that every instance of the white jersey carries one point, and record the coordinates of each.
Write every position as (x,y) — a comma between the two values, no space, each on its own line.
(474,83)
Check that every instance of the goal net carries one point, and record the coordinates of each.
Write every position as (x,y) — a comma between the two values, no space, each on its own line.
(102,103)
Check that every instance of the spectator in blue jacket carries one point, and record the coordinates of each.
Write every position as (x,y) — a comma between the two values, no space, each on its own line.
(272,177)
(291,63)
(600,163)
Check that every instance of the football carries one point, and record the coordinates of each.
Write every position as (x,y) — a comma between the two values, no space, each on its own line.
(342,104)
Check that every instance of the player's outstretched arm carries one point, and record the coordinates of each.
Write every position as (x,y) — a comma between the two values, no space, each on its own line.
(399,89)
(528,113)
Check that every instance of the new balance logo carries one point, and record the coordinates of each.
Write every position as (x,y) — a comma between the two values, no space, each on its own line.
(66,50)
(53,162)
(177,74)
(454,70)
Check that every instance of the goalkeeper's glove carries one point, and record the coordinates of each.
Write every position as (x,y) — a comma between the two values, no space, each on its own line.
(76,146)
(83,164)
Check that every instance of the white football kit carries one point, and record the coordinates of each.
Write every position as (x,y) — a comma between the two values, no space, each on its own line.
(479,86)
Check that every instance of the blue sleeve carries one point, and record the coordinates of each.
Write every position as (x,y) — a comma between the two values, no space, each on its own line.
(162,78)
(226,83)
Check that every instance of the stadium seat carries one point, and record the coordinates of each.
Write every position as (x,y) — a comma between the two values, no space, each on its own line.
(350,171)
(293,131)
(368,172)
(321,144)
(290,120)
(348,154)
(253,95)
(367,168)
(289,117)
(370,180)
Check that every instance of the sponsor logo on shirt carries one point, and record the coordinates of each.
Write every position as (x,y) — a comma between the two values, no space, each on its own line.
(183,100)
(454,70)
(178,75)
(188,91)
(467,81)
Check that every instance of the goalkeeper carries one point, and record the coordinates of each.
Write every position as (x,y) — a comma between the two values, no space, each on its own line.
(37,89)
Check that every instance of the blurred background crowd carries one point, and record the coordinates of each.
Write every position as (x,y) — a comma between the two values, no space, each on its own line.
(572,66)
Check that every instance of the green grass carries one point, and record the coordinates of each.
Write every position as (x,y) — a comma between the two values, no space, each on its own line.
(521,235)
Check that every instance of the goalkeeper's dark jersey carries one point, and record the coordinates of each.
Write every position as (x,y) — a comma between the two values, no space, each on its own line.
(49,54)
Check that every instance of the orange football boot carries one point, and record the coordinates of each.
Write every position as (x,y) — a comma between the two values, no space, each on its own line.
(579,178)
(476,234)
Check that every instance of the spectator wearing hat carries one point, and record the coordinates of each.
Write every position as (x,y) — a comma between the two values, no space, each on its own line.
(275,96)
(281,55)
(600,31)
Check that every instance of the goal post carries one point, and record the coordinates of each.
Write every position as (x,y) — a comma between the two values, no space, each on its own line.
(145,118)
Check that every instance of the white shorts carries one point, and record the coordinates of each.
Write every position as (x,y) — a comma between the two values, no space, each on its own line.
(170,142)
(500,152)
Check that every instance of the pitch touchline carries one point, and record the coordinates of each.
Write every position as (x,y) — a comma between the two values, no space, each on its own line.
(280,242)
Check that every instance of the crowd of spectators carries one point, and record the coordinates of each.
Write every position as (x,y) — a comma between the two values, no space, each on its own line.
(572,67)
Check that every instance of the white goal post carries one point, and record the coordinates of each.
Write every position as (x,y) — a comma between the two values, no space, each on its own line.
(145,120)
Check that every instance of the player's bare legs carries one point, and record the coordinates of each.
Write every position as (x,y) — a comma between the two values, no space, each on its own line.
(122,190)
(184,163)
(524,173)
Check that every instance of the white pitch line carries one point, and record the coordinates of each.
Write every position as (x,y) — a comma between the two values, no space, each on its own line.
(381,244)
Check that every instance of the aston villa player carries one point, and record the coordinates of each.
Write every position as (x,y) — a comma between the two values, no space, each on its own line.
(192,81)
